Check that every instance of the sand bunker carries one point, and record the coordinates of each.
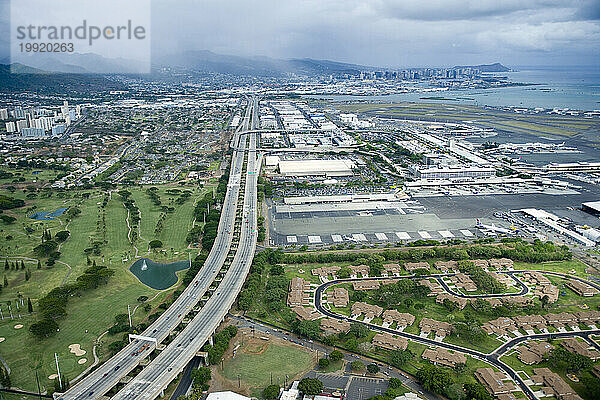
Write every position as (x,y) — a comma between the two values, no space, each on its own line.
(76,349)
(53,376)
(18,326)
(82,361)
(2,339)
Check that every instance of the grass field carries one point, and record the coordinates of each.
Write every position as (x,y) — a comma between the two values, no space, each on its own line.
(93,313)
(255,364)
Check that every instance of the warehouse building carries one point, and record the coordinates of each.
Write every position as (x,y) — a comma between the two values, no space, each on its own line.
(327,168)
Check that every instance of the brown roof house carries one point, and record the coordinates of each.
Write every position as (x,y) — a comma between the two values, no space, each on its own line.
(389,342)
(495,382)
(441,356)
(533,352)
(439,328)
(402,320)
(333,326)
(338,297)
(370,311)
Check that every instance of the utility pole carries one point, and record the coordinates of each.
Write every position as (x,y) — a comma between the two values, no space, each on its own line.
(129,313)
(58,370)
(37,379)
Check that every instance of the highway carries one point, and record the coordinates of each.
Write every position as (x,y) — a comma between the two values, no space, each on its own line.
(107,375)
(171,361)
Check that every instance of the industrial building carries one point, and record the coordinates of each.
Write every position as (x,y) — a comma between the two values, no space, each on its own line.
(453,172)
(592,207)
(327,168)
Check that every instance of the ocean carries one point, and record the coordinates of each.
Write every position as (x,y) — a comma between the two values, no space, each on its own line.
(576,88)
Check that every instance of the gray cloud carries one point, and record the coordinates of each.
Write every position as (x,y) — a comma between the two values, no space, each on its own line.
(383,32)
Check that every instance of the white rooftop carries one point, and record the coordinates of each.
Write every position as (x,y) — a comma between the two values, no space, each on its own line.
(226,396)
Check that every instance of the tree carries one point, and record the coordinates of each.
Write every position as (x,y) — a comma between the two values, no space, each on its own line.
(155,244)
(310,386)
(434,379)
(352,344)
(200,376)
(358,330)
(399,358)
(395,383)
(373,368)
(344,273)
(323,363)
(271,392)
(62,236)
(476,391)
(564,359)
(44,328)
(336,355)
(356,365)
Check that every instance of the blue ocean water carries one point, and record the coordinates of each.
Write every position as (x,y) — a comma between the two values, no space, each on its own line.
(576,88)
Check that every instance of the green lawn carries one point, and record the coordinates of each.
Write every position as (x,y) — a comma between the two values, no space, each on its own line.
(255,369)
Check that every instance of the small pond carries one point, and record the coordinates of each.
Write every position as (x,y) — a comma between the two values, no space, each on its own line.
(157,275)
(48,215)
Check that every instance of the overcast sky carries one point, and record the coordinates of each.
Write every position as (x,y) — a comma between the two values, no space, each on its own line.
(391,33)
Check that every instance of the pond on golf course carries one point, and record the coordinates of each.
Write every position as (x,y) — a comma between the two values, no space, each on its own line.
(157,275)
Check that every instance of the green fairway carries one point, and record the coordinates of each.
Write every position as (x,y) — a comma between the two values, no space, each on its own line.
(99,233)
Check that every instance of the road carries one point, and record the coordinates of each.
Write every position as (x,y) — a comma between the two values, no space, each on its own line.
(101,380)
(155,377)
(490,358)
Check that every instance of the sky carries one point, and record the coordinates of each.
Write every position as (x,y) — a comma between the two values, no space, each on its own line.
(387,33)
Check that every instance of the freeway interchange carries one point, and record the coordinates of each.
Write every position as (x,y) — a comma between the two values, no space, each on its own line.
(492,358)
(221,277)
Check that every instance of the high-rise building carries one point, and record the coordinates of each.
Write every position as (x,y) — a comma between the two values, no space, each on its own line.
(32,132)
(19,113)
(3,114)
(10,127)
(21,124)
(58,129)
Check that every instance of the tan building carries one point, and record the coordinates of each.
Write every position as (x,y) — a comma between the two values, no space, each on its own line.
(446,266)
(433,285)
(481,263)
(533,352)
(306,314)
(502,326)
(561,320)
(401,319)
(325,272)
(366,285)
(439,328)
(553,385)
(501,263)
(591,317)
(333,326)
(530,322)
(389,342)
(575,345)
(370,311)
(338,297)
(502,278)
(520,301)
(362,270)
(443,357)
(581,288)
(392,269)
(463,281)
(297,295)
(410,267)
(495,382)
(460,302)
